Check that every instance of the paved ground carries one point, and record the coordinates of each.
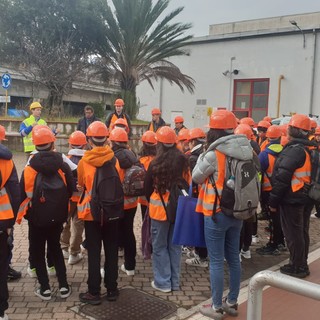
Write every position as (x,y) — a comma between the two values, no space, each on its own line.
(195,284)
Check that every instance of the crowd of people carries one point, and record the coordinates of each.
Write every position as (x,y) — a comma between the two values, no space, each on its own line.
(100,154)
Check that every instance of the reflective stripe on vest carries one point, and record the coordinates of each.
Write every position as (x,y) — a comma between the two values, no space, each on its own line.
(6,212)
(143,201)
(266,184)
(302,175)
(130,202)
(27,140)
(156,209)
(207,194)
(29,175)
(84,210)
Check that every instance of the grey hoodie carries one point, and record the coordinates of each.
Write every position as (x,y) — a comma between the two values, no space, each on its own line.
(235,146)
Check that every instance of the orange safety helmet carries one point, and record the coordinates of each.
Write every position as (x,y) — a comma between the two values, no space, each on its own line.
(300,121)
(2,133)
(244,129)
(155,111)
(314,123)
(264,124)
(149,137)
(196,133)
(119,103)
(118,135)
(121,122)
(178,119)
(97,129)
(166,135)
(247,120)
(267,118)
(222,119)
(183,134)
(42,135)
(77,138)
(317,132)
(274,132)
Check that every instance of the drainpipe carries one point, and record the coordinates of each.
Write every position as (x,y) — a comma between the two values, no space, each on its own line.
(313,70)
(279,94)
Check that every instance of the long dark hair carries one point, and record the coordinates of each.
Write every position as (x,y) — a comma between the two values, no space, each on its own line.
(169,165)
(215,134)
(148,149)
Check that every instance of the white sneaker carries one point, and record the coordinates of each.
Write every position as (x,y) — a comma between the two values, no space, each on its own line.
(32,272)
(65,254)
(159,289)
(255,239)
(128,272)
(246,254)
(5,317)
(65,292)
(197,262)
(51,271)
(192,254)
(102,272)
(75,259)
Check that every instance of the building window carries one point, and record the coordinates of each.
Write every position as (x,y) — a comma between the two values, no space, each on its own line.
(201,102)
(250,98)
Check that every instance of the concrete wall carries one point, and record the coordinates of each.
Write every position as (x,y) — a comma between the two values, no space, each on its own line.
(15,143)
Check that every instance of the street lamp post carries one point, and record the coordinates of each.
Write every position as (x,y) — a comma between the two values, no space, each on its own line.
(294,23)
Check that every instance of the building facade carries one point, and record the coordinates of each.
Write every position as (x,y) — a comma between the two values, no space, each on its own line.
(254,68)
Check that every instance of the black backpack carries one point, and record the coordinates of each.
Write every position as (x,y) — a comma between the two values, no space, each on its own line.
(50,200)
(107,194)
(175,192)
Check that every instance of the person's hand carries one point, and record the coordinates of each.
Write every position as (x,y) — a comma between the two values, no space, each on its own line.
(272,209)
(80,188)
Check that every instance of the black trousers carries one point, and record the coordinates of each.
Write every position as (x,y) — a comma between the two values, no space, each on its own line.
(38,238)
(295,221)
(127,239)
(246,234)
(96,234)
(4,254)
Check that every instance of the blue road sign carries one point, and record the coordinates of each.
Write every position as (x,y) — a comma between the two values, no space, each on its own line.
(6,81)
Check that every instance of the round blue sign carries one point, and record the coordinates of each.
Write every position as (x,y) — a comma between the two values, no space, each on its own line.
(6,81)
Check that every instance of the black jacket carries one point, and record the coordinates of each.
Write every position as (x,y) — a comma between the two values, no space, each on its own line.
(83,123)
(12,188)
(125,157)
(158,125)
(291,158)
(121,115)
(49,162)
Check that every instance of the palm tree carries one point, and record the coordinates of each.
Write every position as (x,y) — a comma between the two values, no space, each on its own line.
(138,44)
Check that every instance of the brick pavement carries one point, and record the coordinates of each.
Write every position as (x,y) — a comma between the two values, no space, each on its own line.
(195,282)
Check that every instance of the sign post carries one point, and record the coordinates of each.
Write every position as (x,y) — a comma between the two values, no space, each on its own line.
(6,84)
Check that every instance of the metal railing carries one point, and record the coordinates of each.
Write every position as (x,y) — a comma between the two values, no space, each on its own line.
(277,280)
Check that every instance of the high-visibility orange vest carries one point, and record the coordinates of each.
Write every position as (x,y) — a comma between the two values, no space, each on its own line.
(6,212)
(114,118)
(30,175)
(266,183)
(156,209)
(264,144)
(207,193)
(302,175)
(145,161)
(84,210)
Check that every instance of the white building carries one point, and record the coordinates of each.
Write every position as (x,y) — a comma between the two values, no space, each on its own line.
(254,68)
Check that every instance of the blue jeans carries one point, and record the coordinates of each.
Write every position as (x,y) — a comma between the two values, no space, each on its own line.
(166,257)
(222,238)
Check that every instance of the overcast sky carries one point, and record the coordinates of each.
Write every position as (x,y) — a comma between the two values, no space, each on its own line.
(202,13)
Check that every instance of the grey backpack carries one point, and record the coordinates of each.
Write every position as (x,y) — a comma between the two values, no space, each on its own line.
(241,189)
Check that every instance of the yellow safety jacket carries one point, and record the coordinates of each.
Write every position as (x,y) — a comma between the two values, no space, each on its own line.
(27,140)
